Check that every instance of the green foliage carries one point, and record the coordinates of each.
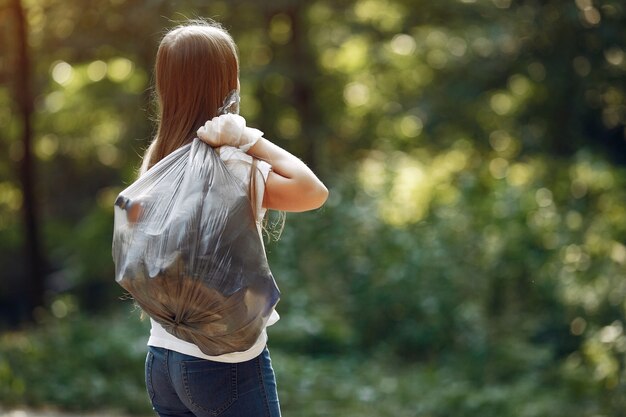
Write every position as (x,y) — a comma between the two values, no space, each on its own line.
(77,362)
(80,363)
(470,259)
(495,271)
(372,386)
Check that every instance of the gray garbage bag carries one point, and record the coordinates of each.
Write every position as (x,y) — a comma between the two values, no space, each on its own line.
(187,248)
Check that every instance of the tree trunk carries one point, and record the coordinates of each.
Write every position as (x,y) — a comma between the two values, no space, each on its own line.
(298,55)
(303,91)
(24,100)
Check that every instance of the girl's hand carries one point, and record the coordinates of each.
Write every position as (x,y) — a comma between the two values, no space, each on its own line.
(229,129)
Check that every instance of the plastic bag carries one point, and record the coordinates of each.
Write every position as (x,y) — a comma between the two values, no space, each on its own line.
(187,248)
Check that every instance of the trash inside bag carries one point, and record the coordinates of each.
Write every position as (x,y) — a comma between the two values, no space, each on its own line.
(187,248)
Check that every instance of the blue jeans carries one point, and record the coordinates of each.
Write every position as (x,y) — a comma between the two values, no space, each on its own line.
(181,385)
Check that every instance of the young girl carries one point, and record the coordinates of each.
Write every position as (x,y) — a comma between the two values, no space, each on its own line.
(196,69)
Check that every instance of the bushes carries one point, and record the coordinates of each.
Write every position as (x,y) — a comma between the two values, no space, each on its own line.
(83,363)
(514,271)
(500,293)
(76,363)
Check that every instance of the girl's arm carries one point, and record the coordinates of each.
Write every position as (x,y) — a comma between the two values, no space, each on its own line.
(291,185)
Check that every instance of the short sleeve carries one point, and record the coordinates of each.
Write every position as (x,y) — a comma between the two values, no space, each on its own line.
(239,164)
(263,170)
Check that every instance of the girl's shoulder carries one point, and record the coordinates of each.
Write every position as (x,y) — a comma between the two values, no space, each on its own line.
(240,163)
(232,154)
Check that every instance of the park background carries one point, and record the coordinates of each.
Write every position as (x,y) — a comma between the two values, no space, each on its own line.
(470,260)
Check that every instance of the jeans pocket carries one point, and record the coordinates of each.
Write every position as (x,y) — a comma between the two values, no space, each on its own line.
(149,386)
(210,386)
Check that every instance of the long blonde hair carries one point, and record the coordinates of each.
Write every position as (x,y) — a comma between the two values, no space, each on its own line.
(196,67)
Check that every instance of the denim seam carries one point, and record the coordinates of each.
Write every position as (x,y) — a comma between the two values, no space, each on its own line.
(167,367)
(263,389)
(232,398)
(149,366)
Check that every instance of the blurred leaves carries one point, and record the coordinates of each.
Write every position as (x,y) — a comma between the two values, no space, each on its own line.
(75,362)
(476,226)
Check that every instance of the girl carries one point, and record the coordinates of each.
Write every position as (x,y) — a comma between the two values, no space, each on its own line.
(196,69)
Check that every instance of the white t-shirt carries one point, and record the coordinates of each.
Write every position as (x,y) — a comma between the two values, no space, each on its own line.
(239,164)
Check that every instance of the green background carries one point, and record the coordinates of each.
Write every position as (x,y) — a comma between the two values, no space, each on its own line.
(470,260)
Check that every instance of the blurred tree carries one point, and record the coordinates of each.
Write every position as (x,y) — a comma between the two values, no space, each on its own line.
(32,293)
(472,148)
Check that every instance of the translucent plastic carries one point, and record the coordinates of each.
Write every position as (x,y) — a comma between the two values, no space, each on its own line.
(187,248)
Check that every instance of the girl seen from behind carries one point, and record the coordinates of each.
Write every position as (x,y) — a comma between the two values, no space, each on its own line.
(195,71)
